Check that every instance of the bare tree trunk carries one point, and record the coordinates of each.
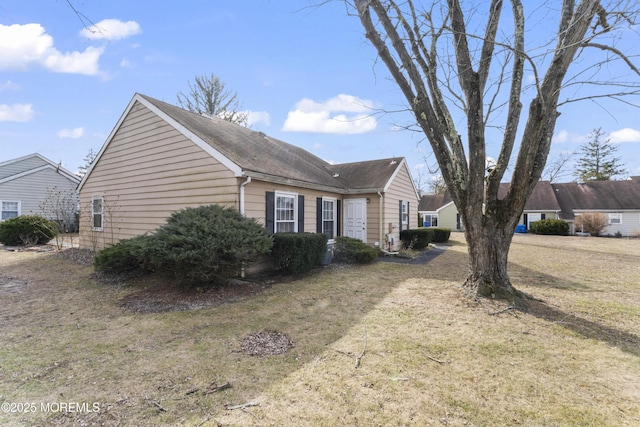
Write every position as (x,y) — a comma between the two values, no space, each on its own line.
(488,248)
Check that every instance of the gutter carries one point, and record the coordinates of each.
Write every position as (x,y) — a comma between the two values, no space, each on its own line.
(242,185)
(381,225)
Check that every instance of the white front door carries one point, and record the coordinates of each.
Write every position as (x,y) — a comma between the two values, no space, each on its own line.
(355,219)
(533,217)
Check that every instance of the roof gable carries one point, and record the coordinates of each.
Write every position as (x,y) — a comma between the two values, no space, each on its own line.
(250,153)
(29,164)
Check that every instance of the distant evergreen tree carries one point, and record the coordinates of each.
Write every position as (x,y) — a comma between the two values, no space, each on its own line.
(597,161)
(88,161)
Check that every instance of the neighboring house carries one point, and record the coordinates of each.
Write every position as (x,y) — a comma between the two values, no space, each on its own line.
(160,158)
(26,183)
(438,210)
(619,200)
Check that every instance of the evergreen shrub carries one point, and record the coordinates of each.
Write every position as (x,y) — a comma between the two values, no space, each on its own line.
(27,230)
(350,250)
(417,238)
(556,227)
(203,245)
(441,235)
(295,253)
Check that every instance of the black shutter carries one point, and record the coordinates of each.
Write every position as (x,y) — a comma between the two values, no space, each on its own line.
(270,201)
(400,218)
(408,216)
(339,218)
(300,214)
(319,215)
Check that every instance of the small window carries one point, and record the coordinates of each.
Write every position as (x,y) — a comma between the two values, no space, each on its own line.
(329,217)
(97,213)
(10,210)
(405,213)
(286,213)
(615,218)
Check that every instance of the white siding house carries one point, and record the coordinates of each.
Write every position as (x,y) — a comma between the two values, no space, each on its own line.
(26,182)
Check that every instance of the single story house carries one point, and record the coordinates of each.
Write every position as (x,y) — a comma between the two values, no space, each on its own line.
(619,200)
(160,158)
(27,182)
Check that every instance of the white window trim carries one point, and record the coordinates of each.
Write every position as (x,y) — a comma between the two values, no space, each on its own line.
(101,213)
(617,216)
(10,201)
(405,213)
(275,210)
(335,215)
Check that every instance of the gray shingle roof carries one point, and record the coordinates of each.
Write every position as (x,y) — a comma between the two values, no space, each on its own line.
(256,152)
(597,196)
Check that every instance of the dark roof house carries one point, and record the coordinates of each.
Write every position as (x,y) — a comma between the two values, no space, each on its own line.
(160,158)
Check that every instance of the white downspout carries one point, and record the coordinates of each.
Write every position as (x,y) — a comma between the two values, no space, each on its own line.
(242,211)
(381,226)
(242,194)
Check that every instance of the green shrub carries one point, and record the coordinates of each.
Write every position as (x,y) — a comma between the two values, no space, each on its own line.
(441,235)
(203,245)
(126,255)
(348,249)
(27,230)
(298,252)
(417,238)
(556,227)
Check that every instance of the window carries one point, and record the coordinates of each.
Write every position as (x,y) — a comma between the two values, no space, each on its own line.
(430,220)
(615,218)
(329,217)
(285,218)
(97,213)
(405,213)
(10,210)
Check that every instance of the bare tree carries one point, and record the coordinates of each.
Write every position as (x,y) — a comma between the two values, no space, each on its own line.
(209,95)
(459,57)
(557,167)
(437,185)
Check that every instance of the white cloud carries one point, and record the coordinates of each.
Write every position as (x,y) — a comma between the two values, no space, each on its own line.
(74,133)
(111,29)
(258,117)
(329,116)
(9,85)
(569,137)
(625,135)
(24,45)
(16,113)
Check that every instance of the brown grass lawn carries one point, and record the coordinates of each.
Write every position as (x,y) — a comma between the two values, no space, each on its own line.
(377,345)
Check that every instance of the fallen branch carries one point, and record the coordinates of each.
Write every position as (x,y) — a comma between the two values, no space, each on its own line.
(242,406)
(435,360)
(215,388)
(364,349)
(160,407)
(510,308)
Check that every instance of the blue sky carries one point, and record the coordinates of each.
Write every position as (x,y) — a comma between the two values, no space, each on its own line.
(307,75)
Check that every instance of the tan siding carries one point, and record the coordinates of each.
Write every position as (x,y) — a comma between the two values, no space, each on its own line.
(147,172)
(400,189)
(255,201)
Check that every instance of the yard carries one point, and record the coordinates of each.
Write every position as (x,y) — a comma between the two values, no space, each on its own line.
(384,344)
